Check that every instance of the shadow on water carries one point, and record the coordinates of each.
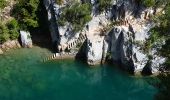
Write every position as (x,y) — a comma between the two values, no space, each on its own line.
(23,77)
(163,87)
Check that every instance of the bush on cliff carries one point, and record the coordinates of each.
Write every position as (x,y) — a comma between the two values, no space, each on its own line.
(59,2)
(25,12)
(148,3)
(78,15)
(103,5)
(4,33)
(3,3)
(13,29)
(10,30)
(163,30)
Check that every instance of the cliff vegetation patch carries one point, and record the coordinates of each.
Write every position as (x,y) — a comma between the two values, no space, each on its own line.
(77,15)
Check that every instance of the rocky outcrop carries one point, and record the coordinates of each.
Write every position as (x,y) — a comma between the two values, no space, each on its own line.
(94,50)
(26,39)
(114,33)
(11,44)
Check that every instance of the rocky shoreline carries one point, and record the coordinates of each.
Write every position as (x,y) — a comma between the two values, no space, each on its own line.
(10,44)
(123,41)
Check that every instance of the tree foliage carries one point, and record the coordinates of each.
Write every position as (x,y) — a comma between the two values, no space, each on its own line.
(148,3)
(4,33)
(59,2)
(25,12)
(103,5)
(9,30)
(78,15)
(13,29)
(3,3)
(163,29)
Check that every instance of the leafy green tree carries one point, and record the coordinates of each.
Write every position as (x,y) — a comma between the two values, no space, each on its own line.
(25,12)
(78,15)
(13,29)
(148,3)
(3,3)
(164,30)
(59,2)
(4,33)
(103,4)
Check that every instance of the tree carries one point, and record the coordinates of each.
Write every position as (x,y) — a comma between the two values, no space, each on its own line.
(3,3)
(13,29)
(59,2)
(103,5)
(4,33)
(25,12)
(78,15)
(148,3)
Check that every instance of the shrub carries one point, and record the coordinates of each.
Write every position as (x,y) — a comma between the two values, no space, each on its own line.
(148,3)
(59,2)
(13,29)
(4,33)
(78,15)
(3,3)
(25,12)
(103,5)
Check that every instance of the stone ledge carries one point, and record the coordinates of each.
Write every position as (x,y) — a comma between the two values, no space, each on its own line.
(10,44)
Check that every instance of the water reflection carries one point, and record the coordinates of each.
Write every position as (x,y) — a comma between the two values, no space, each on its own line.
(23,77)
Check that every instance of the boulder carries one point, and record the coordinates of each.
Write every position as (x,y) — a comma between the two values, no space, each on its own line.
(26,39)
(94,51)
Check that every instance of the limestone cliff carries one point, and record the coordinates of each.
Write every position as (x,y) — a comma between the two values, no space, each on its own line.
(118,32)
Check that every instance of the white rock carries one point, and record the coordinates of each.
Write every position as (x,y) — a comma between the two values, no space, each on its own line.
(26,39)
(94,51)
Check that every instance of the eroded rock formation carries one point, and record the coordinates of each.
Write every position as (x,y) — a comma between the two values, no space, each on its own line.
(119,40)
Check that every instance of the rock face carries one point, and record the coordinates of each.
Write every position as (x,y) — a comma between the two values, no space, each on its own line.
(26,39)
(9,45)
(94,51)
(123,41)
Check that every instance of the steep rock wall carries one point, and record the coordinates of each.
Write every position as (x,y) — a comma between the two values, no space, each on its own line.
(119,40)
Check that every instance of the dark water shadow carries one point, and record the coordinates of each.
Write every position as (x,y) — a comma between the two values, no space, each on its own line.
(163,86)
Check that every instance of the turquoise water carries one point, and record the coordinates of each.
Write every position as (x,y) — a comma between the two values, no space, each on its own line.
(24,77)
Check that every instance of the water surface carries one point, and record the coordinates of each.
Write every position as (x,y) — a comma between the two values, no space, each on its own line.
(24,77)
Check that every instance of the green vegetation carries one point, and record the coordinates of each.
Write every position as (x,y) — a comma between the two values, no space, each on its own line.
(3,3)
(13,29)
(77,14)
(9,30)
(162,30)
(59,2)
(153,41)
(4,36)
(25,12)
(25,17)
(148,3)
(103,5)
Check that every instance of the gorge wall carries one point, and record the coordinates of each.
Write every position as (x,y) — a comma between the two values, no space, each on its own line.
(118,33)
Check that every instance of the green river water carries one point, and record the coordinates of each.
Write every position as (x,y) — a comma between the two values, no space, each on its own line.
(24,77)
